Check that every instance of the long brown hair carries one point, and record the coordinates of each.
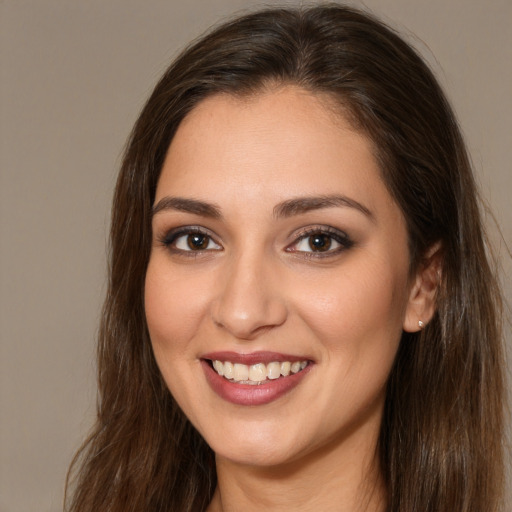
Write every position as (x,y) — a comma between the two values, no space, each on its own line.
(442,430)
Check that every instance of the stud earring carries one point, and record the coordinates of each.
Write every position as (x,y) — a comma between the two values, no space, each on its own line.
(421,324)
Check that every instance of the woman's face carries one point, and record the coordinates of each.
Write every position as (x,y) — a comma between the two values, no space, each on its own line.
(279,253)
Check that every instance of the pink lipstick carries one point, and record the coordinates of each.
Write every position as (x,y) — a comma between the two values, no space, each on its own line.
(257,378)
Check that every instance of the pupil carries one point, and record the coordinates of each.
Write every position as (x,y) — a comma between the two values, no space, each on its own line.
(320,242)
(197,241)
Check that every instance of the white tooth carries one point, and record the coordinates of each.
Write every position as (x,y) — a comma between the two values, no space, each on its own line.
(274,370)
(295,367)
(240,372)
(258,372)
(219,367)
(285,368)
(302,365)
(228,370)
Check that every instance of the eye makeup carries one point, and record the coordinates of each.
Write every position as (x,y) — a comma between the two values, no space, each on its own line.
(320,242)
(310,242)
(189,239)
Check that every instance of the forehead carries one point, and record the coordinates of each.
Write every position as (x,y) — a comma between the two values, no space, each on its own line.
(287,138)
(266,108)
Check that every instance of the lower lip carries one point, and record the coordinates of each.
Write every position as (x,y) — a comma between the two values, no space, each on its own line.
(248,394)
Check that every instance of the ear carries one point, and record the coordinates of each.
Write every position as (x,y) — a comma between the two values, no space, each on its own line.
(421,305)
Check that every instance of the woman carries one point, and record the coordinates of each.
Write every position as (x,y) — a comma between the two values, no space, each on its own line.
(301,313)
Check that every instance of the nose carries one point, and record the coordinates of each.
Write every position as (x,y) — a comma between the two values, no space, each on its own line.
(250,301)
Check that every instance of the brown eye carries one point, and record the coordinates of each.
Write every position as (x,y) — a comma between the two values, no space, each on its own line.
(320,242)
(191,240)
(197,241)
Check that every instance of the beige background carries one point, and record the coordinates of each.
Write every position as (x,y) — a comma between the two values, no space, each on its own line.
(74,75)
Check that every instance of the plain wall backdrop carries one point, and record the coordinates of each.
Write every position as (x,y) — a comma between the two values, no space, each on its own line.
(74,75)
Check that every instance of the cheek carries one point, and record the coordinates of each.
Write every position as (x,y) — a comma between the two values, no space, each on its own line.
(357,320)
(173,308)
(358,312)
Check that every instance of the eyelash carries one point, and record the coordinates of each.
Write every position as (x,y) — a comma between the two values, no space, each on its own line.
(341,238)
(170,239)
(344,241)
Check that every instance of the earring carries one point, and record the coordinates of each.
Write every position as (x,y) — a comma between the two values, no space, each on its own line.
(421,324)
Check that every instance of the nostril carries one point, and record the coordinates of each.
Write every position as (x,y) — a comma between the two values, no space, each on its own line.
(248,319)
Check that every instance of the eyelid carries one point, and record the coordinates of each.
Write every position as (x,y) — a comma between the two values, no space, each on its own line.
(339,236)
(170,237)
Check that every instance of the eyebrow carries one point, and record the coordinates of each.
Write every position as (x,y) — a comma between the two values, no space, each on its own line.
(305,204)
(289,208)
(182,204)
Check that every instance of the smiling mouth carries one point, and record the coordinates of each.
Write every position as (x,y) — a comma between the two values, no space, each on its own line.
(256,374)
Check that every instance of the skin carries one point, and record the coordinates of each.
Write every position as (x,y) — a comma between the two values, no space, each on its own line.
(257,285)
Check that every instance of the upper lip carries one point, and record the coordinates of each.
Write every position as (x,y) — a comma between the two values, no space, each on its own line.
(253,357)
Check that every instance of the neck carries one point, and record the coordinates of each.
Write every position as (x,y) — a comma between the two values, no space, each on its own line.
(342,476)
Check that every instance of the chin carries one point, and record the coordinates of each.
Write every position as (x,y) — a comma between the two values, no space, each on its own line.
(256,455)
(255,446)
